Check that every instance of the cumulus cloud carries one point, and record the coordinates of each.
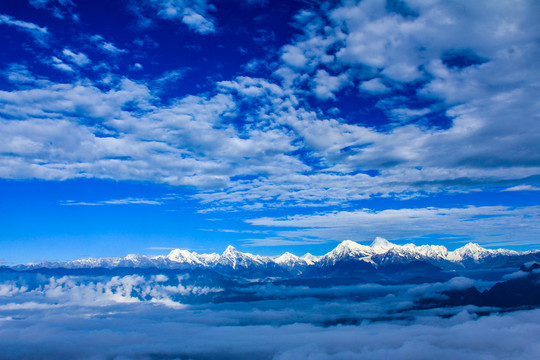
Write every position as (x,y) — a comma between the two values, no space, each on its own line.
(171,135)
(251,141)
(163,143)
(375,86)
(372,42)
(326,85)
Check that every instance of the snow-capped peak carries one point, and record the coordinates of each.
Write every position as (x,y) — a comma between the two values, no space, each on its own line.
(310,259)
(230,250)
(470,250)
(380,252)
(349,245)
(229,257)
(346,249)
(184,256)
(289,260)
(178,253)
(286,258)
(234,258)
(381,245)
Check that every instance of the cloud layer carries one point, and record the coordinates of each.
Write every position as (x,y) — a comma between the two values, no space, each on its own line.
(139,317)
(256,138)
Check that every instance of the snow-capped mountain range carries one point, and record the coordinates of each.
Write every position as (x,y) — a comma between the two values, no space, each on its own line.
(380,253)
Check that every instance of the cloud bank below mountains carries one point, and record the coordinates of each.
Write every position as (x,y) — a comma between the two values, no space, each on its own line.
(135,331)
(195,315)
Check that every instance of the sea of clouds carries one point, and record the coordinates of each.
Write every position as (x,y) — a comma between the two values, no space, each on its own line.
(159,317)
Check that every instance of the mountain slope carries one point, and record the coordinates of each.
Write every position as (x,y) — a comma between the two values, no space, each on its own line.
(348,257)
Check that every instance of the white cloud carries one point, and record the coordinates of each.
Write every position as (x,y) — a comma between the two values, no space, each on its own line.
(126,201)
(80,59)
(193,13)
(180,144)
(252,141)
(106,46)
(383,47)
(110,47)
(60,65)
(192,142)
(70,318)
(197,22)
(523,188)
(375,86)
(172,76)
(405,114)
(40,34)
(485,224)
(326,85)
(293,56)
(58,8)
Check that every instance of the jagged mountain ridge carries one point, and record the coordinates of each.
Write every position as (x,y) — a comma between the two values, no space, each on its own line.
(380,253)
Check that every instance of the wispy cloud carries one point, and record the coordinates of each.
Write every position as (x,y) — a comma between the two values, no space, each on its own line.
(125,201)
(60,65)
(160,248)
(194,14)
(40,34)
(235,231)
(456,225)
(174,248)
(59,8)
(80,59)
(523,188)
(106,46)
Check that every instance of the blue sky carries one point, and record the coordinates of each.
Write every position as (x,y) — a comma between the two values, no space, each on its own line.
(135,126)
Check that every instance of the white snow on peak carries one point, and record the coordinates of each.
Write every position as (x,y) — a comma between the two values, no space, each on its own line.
(379,252)
(229,257)
(185,257)
(289,260)
(210,259)
(234,258)
(349,245)
(473,247)
(347,249)
(470,250)
(310,259)
(230,252)
(381,245)
(286,258)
